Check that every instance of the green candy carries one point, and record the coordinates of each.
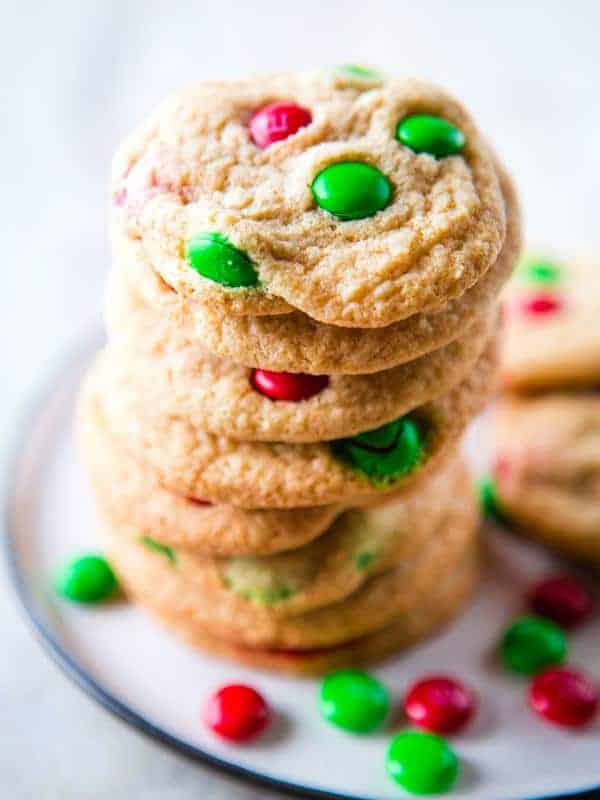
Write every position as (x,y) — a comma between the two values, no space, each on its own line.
(531,643)
(163,549)
(488,498)
(426,133)
(356,71)
(353,700)
(385,453)
(538,270)
(422,763)
(214,257)
(351,190)
(87,579)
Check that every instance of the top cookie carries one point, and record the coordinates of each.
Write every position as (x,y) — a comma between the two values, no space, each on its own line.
(357,202)
(552,335)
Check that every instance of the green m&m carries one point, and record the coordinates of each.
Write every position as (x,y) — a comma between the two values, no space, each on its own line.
(357,71)
(214,257)
(488,498)
(385,453)
(422,763)
(162,549)
(87,579)
(426,133)
(353,700)
(538,270)
(531,643)
(351,190)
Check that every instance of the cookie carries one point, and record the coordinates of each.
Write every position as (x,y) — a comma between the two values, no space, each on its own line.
(296,343)
(129,493)
(386,203)
(548,470)
(255,405)
(552,338)
(155,581)
(190,461)
(441,604)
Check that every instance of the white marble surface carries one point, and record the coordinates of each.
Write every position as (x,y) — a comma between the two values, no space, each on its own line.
(75,77)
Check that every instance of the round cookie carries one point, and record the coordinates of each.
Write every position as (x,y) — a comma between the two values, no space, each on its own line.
(129,493)
(441,604)
(226,399)
(295,342)
(155,581)
(347,219)
(548,470)
(190,461)
(552,336)
(359,545)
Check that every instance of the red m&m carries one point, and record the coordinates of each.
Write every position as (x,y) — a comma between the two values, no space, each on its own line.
(277,121)
(562,599)
(541,304)
(237,712)
(290,386)
(439,704)
(564,696)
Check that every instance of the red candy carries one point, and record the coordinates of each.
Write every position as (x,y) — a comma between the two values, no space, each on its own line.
(236,712)
(562,599)
(290,386)
(564,696)
(439,704)
(277,121)
(541,304)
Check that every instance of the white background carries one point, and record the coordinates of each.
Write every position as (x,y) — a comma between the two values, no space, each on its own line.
(75,77)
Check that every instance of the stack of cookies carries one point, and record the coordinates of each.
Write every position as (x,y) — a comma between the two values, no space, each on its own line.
(547,461)
(302,318)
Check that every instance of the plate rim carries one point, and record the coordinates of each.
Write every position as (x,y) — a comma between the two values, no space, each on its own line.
(69,666)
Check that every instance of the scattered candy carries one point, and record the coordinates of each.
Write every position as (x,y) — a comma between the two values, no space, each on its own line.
(564,696)
(562,599)
(237,712)
(277,121)
(385,453)
(163,549)
(351,190)
(439,704)
(214,257)
(426,133)
(353,700)
(88,579)
(531,643)
(290,386)
(538,270)
(540,304)
(422,763)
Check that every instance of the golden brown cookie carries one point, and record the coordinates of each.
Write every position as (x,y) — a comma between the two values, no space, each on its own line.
(552,337)
(168,588)
(436,609)
(548,470)
(295,342)
(224,398)
(190,461)
(351,219)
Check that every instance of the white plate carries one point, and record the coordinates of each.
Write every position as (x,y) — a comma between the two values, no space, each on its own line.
(147,677)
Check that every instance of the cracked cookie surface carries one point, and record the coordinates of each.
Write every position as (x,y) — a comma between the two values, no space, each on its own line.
(192,168)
